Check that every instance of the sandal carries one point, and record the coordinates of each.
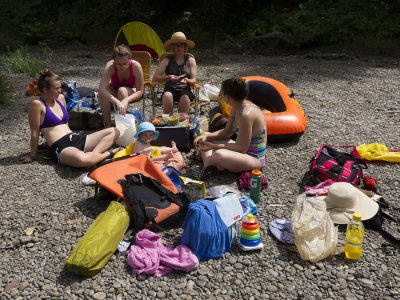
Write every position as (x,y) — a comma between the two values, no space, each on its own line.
(197,156)
(202,174)
(208,171)
(112,153)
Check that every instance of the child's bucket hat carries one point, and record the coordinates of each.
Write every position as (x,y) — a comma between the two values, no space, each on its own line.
(146,126)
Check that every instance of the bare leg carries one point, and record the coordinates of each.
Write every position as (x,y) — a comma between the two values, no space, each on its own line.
(233,161)
(104,101)
(102,140)
(124,92)
(184,104)
(167,103)
(207,154)
(164,149)
(163,157)
(76,158)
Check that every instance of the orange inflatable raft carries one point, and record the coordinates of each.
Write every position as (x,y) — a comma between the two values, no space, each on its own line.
(285,120)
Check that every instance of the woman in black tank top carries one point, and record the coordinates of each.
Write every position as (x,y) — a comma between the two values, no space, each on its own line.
(180,73)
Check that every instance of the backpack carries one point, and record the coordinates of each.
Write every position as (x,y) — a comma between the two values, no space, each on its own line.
(376,222)
(107,173)
(110,174)
(152,205)
(329,163)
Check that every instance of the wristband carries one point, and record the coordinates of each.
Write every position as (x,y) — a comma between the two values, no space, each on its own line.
(32,157)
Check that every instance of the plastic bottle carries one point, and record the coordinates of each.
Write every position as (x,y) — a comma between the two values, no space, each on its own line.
(354,238)
(255,185)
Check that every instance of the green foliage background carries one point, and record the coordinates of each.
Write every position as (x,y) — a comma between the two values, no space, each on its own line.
(233,25)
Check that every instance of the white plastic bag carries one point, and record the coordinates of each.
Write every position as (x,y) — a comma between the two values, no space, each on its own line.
(127,128)
(210,91)
(315,235)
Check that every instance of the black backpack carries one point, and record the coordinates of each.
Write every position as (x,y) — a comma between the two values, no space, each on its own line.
(376,222)
(153,205)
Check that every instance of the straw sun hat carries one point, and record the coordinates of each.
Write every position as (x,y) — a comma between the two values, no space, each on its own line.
(344,199)
(178,37)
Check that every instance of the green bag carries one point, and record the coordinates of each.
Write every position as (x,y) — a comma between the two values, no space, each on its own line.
(100,241)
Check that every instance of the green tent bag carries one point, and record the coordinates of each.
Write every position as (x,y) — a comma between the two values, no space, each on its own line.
(100,241)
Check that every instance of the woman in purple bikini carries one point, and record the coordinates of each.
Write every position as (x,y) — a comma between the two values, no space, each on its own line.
(48,116)
(121,83)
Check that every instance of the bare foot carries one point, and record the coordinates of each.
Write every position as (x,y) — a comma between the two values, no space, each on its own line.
(173,146)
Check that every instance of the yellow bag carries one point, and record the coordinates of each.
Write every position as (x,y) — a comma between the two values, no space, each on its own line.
(376,151)
(131,148)
(100,241)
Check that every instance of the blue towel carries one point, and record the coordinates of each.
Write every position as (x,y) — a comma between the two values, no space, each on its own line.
(204,231)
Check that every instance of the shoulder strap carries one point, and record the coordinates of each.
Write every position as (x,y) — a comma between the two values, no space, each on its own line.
(136,204)
(169,194)
(386,234)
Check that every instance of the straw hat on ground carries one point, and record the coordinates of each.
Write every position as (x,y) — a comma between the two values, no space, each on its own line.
(344,199)
(178,37)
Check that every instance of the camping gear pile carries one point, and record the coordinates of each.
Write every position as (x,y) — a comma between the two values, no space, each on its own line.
(149,201)
(333,201)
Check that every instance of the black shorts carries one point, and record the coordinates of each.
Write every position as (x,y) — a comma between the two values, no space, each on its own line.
(69,140)
(176,94)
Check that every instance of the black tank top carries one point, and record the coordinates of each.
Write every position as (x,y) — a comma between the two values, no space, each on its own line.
(174,69)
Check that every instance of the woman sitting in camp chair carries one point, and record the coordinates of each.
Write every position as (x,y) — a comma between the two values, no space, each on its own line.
(180,72)
(121,83)
(218,152)
(48,116)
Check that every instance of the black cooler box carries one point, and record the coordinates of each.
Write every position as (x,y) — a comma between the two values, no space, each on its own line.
(180,135)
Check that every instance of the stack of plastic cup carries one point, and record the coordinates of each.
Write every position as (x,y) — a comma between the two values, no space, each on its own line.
(250,235)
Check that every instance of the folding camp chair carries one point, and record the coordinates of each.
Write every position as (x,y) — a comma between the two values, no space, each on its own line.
(144,58)
(159,88)
(141,37)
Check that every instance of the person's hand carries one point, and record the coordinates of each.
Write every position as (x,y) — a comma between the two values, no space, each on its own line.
(185,80)
(200,139)
(206,146)
(173,78)
(26,159)
(122,107)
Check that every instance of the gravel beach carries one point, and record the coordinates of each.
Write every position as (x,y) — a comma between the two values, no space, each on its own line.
(347,100)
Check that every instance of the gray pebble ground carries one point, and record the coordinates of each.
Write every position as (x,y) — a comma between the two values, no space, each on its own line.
(346,100)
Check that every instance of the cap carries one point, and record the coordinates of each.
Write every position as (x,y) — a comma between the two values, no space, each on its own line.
(357,217)
(256,172)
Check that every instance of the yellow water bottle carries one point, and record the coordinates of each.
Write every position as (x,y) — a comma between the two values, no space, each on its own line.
(354,238)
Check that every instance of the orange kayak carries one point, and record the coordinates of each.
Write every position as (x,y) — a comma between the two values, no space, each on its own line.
(284,117)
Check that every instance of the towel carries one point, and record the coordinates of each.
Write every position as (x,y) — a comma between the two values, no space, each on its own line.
(150,256)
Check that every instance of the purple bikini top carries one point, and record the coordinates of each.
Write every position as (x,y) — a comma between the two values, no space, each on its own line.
(50,119)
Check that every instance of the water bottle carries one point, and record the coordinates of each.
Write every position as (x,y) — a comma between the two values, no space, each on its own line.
(255,185)
(354,238)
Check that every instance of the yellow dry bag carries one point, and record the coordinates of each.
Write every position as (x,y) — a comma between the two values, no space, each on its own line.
(100,241)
